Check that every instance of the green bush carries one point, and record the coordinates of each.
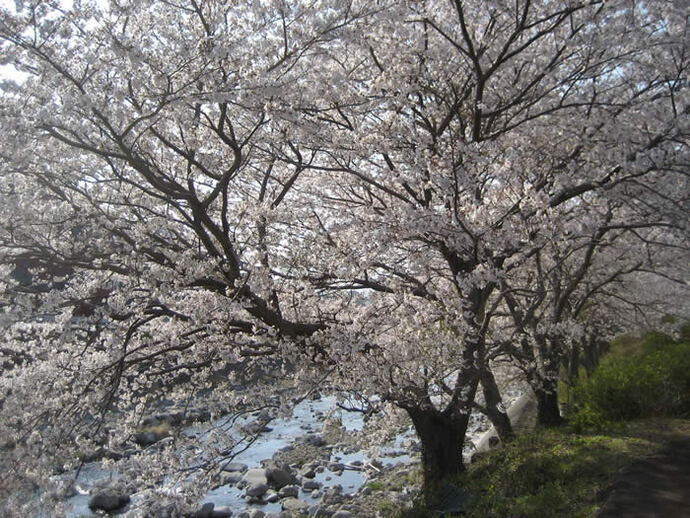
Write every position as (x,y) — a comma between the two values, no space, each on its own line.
(685,332)
(588,419)
(654,383)
(654,341)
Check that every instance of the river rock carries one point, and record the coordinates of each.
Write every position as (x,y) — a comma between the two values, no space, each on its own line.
(280,477)
(256,489)
(311,484)
(256,428)
(318,511)
(333,495)
(342,513)
(335,466)
(235,466)
(222,512)
(271,496)
(263,416)
(108,501)
(313,439)
(288,491)
(210,511)
(256,513)
(309,473)
(292,504)
(232,477)
(255,476)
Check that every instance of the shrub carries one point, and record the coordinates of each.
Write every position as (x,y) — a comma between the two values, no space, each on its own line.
(588,419)
(654,341)
(654,383)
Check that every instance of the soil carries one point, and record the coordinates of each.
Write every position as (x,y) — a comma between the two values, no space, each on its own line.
(657,486)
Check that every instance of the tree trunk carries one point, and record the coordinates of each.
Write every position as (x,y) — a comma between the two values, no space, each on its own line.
(548,413)
(495,410)
(442,440)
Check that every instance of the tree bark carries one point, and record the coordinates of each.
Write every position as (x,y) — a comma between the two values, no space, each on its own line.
(494,408)
(442,438)
(548,413)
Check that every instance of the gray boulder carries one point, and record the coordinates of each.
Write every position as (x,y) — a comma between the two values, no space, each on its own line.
(313,439)
(318,511)
(309,473)
(279,477)
(335,466)
(255,476)
(235,466)
(288,491)
(294,505)
(232,477)
(311,484)
(256,428)
(210,511)
(256,489)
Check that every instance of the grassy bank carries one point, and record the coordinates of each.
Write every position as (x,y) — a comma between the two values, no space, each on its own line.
(560,473)
(631,407)
(557,472)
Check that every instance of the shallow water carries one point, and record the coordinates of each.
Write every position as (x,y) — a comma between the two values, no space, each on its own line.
(307,417)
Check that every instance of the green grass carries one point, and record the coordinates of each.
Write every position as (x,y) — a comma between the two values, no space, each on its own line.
(375,486)
(555,472)
(552,472)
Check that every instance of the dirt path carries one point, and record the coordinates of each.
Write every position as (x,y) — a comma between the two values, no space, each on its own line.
(658,486)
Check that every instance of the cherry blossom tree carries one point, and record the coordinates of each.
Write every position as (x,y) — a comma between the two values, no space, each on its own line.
(203,194)
(511,131)
(583,292)
(138,242)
